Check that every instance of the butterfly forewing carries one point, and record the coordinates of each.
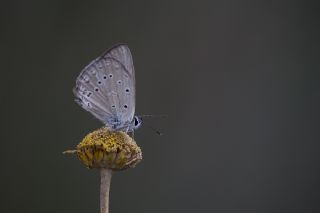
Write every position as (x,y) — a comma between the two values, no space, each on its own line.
(106,87)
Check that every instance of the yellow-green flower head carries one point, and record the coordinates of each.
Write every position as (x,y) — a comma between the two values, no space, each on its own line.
(105,149)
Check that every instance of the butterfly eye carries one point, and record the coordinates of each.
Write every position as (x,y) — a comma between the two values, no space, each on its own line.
(136,122)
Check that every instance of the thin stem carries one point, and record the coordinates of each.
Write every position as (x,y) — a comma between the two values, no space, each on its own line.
(104,189)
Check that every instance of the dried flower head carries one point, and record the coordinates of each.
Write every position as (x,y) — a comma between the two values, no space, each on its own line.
(105,149)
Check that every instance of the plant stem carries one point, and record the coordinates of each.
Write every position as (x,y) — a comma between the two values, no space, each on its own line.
(104,189)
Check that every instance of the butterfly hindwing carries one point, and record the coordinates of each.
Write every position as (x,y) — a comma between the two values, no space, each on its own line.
(106,87)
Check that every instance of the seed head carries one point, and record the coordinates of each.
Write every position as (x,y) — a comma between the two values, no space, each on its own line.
(105,149)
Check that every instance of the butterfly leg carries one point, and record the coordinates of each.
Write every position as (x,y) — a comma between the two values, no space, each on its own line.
(131,134)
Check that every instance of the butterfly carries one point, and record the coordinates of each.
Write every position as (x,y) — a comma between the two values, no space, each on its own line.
(106,89)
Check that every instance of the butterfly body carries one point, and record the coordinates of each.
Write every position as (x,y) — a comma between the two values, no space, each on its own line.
(116,125)
(106,89)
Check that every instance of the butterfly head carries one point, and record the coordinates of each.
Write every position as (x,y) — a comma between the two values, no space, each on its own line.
(137,122)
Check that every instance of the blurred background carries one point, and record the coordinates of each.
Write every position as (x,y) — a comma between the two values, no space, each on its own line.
(239,81)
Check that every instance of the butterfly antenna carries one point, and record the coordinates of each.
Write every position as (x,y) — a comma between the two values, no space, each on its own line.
(154,129)
(151,127)
(152,116)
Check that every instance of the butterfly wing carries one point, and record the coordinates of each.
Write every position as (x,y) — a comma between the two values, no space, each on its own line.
(106,87)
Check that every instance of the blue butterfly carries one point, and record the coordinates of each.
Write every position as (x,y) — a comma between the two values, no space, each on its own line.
(106,89)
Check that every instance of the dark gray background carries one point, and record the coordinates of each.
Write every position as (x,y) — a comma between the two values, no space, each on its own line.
(239,81)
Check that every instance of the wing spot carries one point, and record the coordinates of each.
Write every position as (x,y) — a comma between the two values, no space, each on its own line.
(113,106)
(104,77)
(99,82)
(96,89)
(110,75)
(125,106)
(127,90)
(116,65)
(108,62)
(89,94)
(85,78)
(119,82)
